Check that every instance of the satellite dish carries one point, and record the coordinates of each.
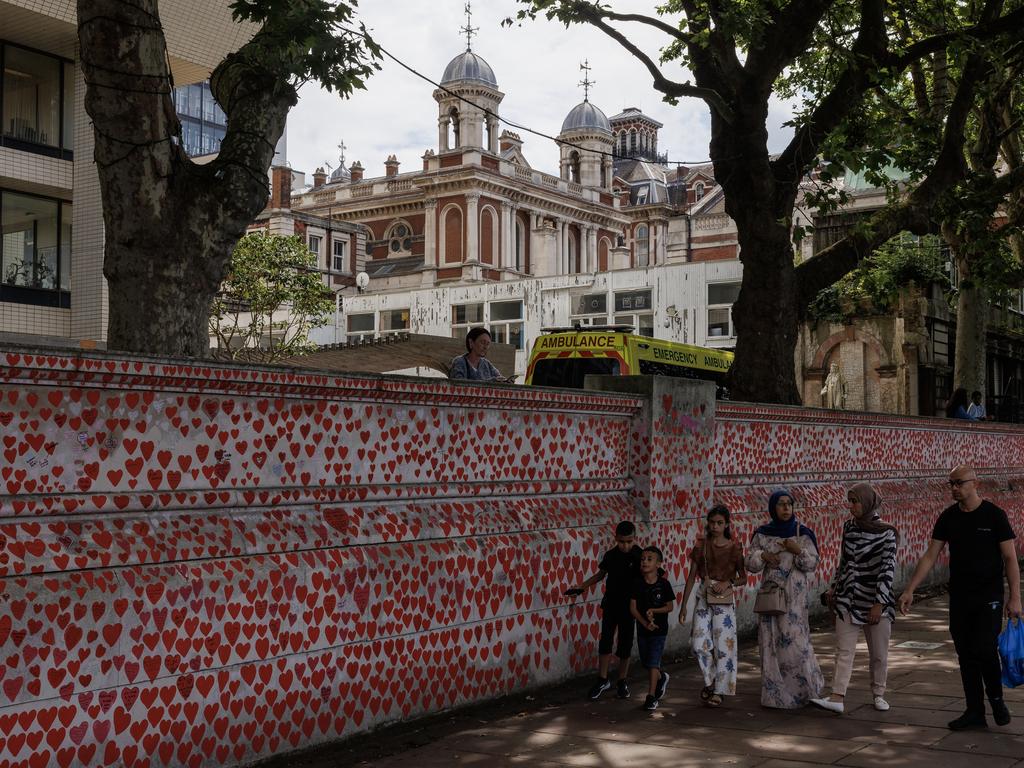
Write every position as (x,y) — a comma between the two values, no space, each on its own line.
(362,280)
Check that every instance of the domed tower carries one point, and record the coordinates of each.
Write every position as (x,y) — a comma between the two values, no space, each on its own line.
(470,121)
(585,143)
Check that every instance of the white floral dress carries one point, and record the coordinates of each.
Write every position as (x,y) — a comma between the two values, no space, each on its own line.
(790,674)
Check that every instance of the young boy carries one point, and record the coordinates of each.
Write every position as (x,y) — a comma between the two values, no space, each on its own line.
(621,565)
(652,601)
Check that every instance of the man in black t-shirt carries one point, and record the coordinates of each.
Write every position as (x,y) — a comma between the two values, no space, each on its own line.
(981,551)
(620,566)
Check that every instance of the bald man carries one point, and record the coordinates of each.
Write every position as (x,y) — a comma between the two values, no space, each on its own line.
(981,552)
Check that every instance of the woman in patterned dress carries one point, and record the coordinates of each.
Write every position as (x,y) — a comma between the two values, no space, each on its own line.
(787,553)
(717,559)
(861,595)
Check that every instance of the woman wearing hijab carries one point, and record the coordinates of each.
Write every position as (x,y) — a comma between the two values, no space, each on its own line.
(787,553)
(861,595)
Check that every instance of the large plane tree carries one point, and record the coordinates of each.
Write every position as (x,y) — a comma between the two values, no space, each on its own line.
(171,224)
(736,54)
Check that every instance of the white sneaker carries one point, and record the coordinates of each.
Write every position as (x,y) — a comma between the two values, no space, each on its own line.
(831,706)
(881,704)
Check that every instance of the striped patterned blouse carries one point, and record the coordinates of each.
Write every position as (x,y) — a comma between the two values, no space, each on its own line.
(867,566)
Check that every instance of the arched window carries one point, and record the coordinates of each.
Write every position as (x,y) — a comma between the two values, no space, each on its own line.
(622,143)
(399,239)
(632,141)
(572,262)
(520,246)
(643,246)
(453,128)
(451,234)
(488,235)
(698,190)
(574,166)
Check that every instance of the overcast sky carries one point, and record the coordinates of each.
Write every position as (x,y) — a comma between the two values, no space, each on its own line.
(537,68)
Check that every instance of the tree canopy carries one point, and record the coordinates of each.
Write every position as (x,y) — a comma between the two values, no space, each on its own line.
(830,54)
(271,299)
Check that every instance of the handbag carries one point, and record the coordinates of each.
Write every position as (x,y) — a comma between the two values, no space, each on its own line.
(770,600)
(715,592)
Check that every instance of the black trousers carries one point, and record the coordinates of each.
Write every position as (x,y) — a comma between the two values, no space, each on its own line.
(975,627)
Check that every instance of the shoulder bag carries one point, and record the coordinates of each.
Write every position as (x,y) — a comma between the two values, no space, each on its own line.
(771,599)
(715,592)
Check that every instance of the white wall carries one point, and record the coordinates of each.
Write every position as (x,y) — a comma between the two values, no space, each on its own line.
(547,301)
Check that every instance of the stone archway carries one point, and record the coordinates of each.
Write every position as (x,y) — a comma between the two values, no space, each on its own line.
(867,370)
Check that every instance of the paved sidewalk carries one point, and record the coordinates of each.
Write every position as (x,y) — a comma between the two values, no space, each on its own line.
(559,727)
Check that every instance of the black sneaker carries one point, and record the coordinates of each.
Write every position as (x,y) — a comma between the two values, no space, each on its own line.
(623,689)
(600,687)
(659,689)
(967,720)
(999,712)
(650,703)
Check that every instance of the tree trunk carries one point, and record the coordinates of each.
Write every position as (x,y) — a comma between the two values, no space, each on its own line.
(760,200)
(972,315)
(170,225)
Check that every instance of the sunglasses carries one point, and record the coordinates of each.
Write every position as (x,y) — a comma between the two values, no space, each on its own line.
(958,483)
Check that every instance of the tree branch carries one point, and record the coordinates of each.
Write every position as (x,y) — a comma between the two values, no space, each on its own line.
(668,87)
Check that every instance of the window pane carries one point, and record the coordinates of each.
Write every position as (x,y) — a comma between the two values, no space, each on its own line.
(69,106)
(209,105)
(29,241)
(723,293)
(467,313)
(646,325)
(32,96)
(506,310)
(360,323)
(591,304)
(632,300)
(508,334)
(394,320)
(718,322)
(195,101)
(65,246)
(314,244)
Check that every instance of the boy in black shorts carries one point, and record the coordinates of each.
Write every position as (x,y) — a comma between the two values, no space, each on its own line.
(652,601)
(621,565)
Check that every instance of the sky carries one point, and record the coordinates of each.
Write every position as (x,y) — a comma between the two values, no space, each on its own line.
(537,65)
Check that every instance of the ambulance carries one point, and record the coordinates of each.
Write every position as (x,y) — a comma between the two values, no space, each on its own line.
(562,357)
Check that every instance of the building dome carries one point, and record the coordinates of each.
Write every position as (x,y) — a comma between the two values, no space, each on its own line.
(586,117)
(341,173)
(469,66)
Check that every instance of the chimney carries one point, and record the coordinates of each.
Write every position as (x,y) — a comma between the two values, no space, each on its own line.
(280,187)
(356,169)
(427,157)
(319,177)
(623,196)
(391,166)
(508,140)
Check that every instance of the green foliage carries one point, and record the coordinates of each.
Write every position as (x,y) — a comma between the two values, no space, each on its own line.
(273,296)
(873,287)
(310,41)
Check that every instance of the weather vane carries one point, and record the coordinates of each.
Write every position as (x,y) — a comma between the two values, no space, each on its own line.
(469,29)
(341,149)
(586,82)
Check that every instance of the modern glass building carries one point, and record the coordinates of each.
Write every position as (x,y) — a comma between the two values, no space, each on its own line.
(203,122)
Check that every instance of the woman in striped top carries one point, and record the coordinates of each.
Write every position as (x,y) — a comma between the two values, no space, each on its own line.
(861,595)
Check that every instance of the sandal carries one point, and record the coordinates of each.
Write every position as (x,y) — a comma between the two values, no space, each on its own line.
(715,701)
(706,692)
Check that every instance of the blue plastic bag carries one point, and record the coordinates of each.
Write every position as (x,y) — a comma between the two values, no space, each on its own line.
(1011,653)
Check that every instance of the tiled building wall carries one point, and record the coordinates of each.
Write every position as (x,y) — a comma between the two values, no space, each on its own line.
(208,565)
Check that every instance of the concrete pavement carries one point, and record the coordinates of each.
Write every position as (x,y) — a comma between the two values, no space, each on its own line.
(558,727)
